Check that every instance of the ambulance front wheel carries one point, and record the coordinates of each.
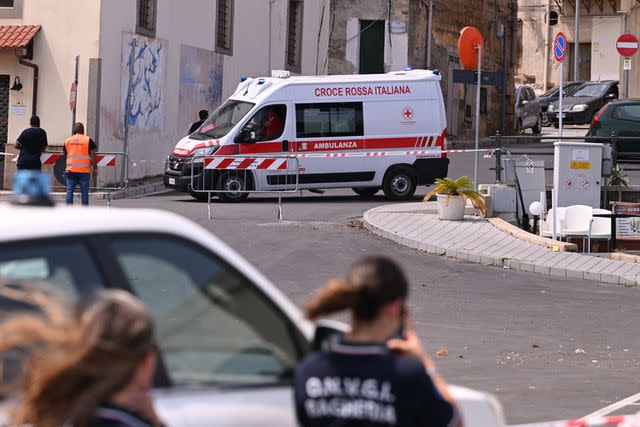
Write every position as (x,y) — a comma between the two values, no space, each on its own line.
(399,184)
(234,187)
(366,191)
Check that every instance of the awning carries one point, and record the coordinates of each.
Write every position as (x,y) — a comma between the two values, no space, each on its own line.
(17,36)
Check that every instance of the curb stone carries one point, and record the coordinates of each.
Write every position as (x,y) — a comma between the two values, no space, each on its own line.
(547,264)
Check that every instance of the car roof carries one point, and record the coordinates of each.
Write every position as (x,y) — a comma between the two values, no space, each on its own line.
(25,223)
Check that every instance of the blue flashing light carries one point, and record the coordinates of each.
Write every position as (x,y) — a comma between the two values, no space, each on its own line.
(243,78)
(32,187)
(261,81)
(436,71)
(408,68)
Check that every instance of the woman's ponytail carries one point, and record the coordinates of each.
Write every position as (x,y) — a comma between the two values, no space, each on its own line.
(334,297)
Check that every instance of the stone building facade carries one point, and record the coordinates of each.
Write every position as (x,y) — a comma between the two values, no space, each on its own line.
(395,32)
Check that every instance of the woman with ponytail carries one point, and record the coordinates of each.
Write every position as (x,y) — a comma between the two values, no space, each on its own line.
(85,367)
(379,374)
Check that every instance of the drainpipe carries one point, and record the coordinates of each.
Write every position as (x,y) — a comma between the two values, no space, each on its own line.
(547,48)
(429,35)
(34,101)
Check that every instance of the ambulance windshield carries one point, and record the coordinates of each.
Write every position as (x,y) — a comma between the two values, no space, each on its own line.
(223,119)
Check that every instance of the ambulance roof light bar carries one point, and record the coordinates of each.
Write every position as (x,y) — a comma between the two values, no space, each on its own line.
(280,74)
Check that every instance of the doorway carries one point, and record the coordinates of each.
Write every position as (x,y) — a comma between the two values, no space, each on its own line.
(371,47)
(4,122)
(584,66)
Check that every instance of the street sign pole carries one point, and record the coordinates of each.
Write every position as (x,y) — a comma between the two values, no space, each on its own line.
(627,46)
(75,95)
(477,153)
(560,101)
(559,53)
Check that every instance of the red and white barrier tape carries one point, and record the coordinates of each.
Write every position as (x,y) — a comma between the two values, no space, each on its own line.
(102,160)
(245,163)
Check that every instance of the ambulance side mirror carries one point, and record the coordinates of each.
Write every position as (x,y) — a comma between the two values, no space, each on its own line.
(246,136)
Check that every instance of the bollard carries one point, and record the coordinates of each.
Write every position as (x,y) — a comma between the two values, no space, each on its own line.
(498,154)
(614,150)
(209,204)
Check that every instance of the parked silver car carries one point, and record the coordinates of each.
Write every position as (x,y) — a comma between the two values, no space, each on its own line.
(528,113)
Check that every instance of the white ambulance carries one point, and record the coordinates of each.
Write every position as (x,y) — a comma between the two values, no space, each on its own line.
(366,132)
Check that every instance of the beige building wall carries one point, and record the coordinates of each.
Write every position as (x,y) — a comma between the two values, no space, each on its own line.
(600,29)
(62,37)
(177,26)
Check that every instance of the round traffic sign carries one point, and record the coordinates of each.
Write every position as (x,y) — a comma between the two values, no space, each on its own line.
(470,40)
(560,47)
(72,97)
(627,45)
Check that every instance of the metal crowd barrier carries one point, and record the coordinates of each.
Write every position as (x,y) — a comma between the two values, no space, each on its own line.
(114,172)
(238,174)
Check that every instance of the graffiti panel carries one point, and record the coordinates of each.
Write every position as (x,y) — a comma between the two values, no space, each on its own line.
(143,91)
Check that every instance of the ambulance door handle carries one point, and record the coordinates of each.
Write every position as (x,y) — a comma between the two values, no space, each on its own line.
(285,146)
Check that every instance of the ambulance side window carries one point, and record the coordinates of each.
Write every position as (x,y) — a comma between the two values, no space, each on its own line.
(329,119)
(268,123)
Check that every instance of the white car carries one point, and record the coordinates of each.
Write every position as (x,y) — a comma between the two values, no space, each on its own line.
(229,339)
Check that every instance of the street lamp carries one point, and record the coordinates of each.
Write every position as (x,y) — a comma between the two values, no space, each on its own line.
(536,210)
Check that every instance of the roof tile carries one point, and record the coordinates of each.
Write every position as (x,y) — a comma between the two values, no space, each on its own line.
(17,36)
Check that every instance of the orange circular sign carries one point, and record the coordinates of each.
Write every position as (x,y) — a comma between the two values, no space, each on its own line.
(470,39)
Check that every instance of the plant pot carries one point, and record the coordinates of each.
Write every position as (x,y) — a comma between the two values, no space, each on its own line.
(450,208)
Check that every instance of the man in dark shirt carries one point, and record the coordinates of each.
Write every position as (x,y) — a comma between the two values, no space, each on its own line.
(32,142)
(204,115)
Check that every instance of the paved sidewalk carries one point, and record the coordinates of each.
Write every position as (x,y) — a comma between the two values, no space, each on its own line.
(475,239)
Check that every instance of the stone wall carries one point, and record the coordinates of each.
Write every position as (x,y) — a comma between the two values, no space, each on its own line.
(496,19)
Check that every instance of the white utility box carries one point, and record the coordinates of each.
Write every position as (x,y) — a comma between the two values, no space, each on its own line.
(577,173)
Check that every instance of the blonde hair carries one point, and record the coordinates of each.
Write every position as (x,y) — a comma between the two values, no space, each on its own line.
(77,357)
(370,283)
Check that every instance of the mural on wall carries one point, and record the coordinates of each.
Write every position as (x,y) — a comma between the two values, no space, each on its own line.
(200,83)
(143,90)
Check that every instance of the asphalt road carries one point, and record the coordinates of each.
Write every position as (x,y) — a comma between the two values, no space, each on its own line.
(547,348)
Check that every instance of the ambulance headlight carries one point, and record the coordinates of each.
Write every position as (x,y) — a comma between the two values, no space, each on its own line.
(551,108)
(198,154)
(579,107)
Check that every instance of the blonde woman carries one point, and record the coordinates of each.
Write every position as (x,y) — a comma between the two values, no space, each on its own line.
(86,367)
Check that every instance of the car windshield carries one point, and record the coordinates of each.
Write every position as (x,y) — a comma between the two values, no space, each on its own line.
(223,119)
(570,90)
(591,90)
(550,93)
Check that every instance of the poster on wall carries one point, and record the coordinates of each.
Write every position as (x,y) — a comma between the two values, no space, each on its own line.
(200,83)
(627,228)
(143,90)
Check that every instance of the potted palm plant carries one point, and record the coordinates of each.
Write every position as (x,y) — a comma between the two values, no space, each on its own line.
(453,196)
(618,180)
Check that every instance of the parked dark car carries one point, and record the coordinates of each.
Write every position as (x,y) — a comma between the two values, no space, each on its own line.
(527,109)
(623,118)
(553,95)
(581,107)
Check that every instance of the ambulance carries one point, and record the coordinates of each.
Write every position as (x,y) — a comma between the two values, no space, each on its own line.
(365,132)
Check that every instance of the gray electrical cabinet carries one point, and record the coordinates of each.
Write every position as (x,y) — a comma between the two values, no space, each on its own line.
(577,175)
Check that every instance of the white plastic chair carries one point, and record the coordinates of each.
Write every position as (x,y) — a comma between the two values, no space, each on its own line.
(546,226)
(600,227)
(577,222)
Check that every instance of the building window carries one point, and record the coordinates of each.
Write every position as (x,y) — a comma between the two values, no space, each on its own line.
(146,24)
(224,30)
(11,9)
(294,36)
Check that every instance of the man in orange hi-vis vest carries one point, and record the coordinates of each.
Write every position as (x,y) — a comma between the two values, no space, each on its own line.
(81,158)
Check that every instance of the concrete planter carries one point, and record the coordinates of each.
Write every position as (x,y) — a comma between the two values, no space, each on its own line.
(450,208)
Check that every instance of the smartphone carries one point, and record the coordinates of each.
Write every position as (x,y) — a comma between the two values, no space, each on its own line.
(403,323)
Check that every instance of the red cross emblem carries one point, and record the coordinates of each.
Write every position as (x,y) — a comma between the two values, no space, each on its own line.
(407,113)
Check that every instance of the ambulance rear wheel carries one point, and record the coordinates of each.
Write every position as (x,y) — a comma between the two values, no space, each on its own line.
(234,187)
(399,184)
(366,191)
